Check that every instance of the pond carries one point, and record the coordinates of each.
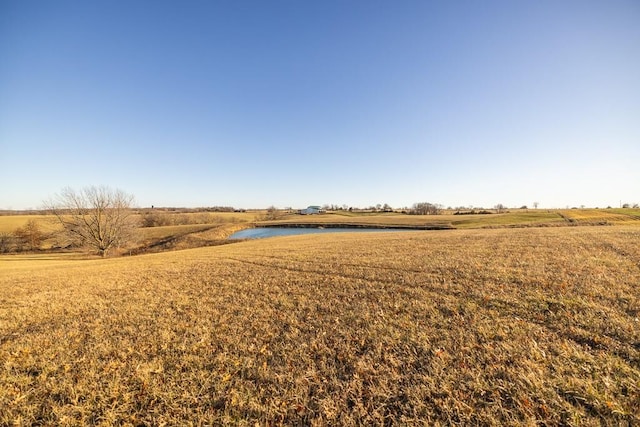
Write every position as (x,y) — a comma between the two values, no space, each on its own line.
(262,232)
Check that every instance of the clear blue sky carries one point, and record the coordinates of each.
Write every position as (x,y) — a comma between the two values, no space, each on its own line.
(292,103)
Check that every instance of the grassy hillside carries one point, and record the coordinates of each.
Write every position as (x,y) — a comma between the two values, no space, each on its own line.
(176,237)
(9,223)
(514,218)
(181,230)
(608,216)
(191,230)
(492,327)
(381,219)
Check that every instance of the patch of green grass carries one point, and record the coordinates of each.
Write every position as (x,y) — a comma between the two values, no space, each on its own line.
(634,213)
(603,216)
(515,218)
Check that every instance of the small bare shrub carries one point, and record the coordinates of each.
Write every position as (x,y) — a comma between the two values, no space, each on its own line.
(272,213)
(30,236)
(6,243)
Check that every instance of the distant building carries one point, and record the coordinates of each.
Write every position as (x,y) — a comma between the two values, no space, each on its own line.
(311,210)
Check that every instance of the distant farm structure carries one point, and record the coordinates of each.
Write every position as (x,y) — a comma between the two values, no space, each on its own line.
(311,210)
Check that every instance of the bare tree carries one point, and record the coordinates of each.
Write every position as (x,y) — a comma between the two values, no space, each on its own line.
(30,235)
(95,217)
(272,213)
(500,208)
(6,242)
(535,205)
(425,208)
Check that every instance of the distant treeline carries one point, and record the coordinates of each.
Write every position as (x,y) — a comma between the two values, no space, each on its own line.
(192,210)
(26,238)
(473,212)
(8,212)
(164,218)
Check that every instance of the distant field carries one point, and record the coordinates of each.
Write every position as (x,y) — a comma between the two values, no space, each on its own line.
(214,217)
(515,218)
(195,229)
(536,326)
(611,216)
(383,219)
(176,237)
(171,230)
(9,223)
(509,219)
(199,220)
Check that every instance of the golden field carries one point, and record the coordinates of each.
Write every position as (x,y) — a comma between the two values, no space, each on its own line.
(609,216)
(512,218)
(179,225)
(535,326)
(9,223)
(186,230)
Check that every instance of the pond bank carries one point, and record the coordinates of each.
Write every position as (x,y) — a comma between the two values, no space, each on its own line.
(356,225)
(274,231)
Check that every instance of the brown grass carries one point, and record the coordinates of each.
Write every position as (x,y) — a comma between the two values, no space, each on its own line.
(177,237)
(214,230)
(603,216)
(383,219)
(491,327)
(9,223)
(516,218)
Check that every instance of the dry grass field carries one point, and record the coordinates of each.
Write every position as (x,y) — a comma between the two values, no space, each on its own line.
(516,218)
(9,223)
(183,230)
(199,229)
(513,218)
(534,326)
(608,216)
(383,219)
(177,237)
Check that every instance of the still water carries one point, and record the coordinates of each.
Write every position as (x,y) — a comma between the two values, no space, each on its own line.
(262,232)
